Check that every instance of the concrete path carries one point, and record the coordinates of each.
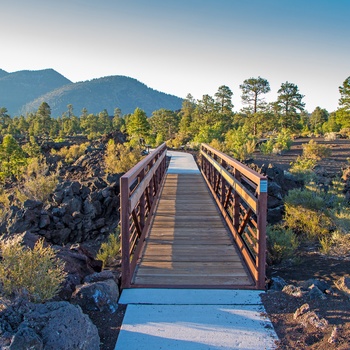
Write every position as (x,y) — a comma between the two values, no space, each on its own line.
(182,163)
(193,319)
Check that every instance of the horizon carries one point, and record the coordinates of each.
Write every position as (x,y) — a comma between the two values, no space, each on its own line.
(186,47)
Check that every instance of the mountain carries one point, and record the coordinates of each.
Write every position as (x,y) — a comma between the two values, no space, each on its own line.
(3,73)
(18,88)
(105,93)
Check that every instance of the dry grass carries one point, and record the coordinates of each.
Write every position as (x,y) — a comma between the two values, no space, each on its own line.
(35,273)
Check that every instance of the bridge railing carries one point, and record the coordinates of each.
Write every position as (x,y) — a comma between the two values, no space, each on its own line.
(241,194)
(139,190)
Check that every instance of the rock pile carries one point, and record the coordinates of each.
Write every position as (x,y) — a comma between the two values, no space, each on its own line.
(77,212)
(53,325)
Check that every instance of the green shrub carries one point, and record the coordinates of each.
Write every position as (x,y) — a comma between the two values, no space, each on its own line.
(340,244)
(310,223)
(239,144)
(341,219)
(283,141)
(110,250)
(307,198)
(313,150)
(36,272)
(267,147)
(281,244)
(220,146)
(72,153)
(119,158)
(38,183)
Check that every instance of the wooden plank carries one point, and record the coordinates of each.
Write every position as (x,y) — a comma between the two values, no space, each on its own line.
(191,282)
(178,257)
(188,242)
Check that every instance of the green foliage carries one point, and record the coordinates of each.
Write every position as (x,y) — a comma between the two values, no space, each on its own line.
(302,168)
(36,273)
(119,158)
(311,223)
(309,198)
(4,202)
(289,101)
(338,245)
(220,146)
(32,149)
(278,144)
(239,144)
(344,90)
(252,88)
(165,124)
(313,150)
(207,133)
(283,141)
(281,244)
(38,183)
(72,153)
(137,125)
(267,147)
(110,250)
(12,158)
(317,118)
(314,214)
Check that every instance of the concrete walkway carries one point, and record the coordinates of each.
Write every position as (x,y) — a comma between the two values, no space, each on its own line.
(182,163)
(193,319)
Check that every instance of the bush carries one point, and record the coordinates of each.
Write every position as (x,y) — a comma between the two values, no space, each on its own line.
(281,244)
(313,150)
(38,182)
(283,141)
(267,147)
(302,168)
(119,158)
(240,145)
(330,136)
(109,250)
(220,146)
(339,244)
(308,198)
(72,153)
(36,272)
(307,222)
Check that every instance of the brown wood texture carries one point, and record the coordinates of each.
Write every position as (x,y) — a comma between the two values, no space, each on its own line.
(189,244)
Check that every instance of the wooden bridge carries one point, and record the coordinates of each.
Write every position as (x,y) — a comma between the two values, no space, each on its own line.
(193,229)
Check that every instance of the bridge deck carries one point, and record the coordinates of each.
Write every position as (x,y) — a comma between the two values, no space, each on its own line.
(188,244)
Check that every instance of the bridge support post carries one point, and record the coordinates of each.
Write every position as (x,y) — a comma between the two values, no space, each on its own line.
(261,233)
(125,231)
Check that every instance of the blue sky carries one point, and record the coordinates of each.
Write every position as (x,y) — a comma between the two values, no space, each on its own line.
(185,46)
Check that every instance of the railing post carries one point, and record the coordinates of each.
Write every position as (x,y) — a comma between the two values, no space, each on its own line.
(125,228)
(236,201)
(223,185)
(261,233)
(142,202)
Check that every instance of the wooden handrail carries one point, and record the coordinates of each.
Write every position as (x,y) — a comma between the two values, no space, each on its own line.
(139,191)
(241,194)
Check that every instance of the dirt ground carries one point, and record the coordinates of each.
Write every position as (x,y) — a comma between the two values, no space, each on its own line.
(310,264)
(280,306)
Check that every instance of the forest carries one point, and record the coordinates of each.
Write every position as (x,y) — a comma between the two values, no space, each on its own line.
(211,120)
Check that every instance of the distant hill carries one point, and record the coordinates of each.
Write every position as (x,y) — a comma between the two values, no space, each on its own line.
(3,73)
(105,93)
(18,88)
